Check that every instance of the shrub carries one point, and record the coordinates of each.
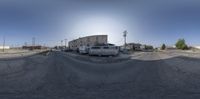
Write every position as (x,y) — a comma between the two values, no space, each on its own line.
(163,47)
(180,44)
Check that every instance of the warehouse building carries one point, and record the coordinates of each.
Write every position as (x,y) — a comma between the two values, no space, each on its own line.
(88,41)
(197,47)
(134,46)
(38,47)
(4,47)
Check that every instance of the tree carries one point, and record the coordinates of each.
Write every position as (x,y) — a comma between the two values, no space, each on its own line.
(180,44)
(163,47)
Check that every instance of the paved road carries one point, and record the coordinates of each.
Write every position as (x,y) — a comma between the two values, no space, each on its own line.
(57,76)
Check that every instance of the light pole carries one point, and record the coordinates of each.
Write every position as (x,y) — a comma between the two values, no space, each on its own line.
(61,43)
(33,41)
(4,41)
(65,43)
(125,34)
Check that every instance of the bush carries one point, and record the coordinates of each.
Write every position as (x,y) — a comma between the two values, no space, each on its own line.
(180,44)
(163,47)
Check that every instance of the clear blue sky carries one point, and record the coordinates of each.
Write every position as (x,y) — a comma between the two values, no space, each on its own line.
(147,21)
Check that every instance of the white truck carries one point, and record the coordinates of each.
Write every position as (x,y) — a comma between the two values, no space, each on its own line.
(104,50)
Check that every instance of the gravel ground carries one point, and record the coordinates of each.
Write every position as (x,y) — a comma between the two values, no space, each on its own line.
(18,53)
(151,75)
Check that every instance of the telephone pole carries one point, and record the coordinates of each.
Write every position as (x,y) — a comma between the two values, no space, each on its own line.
(33,41)
(4,41)
(61,43)
(65,43)
(25,43)
(125,34)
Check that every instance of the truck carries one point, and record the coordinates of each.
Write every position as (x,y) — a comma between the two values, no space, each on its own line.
(104,50)
(83,49)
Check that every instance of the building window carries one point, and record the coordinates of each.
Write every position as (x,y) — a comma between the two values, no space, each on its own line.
(88,39)
(97,39)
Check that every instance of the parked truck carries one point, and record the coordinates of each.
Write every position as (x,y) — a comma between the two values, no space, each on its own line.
(83,50)
(104,50)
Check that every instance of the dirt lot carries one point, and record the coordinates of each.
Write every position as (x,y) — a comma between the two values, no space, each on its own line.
(16,53)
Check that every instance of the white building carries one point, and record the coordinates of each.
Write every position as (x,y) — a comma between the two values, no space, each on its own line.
(197,47)
(4,47)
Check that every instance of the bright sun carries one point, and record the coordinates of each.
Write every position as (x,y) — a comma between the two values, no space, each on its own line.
(98,25)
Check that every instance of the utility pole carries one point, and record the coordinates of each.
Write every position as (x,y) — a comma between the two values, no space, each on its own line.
(4,41)
(61,43)
(33,41)
(125,34)
(65,43)
(25,43)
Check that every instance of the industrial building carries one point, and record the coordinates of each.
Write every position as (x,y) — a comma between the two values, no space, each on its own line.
(138,47)
(197,47)
(4,47)
(88,41)
(134,46)
(33,47)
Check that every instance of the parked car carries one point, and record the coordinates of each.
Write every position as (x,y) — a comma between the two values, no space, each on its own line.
(104,50)
(68,50)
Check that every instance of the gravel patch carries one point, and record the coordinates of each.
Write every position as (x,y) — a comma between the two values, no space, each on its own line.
(19,54)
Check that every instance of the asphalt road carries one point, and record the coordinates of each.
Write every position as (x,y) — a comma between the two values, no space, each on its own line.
(57,76)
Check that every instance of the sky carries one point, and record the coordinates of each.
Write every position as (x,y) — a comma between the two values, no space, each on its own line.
(147,21)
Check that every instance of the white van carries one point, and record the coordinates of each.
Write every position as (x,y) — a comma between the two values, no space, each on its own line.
(83,50)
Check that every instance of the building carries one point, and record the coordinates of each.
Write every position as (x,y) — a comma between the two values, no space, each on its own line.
(170,48)
(146,47)
(197,47)
(133,46)
(88,41)
(32,47)
(4,47)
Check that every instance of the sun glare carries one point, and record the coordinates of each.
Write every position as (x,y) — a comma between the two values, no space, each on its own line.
(98,25)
